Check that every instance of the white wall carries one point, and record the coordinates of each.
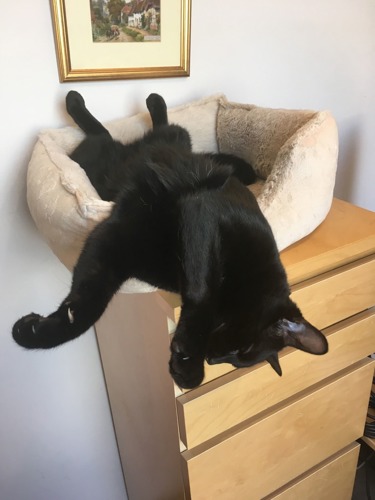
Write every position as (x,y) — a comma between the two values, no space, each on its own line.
(56,437)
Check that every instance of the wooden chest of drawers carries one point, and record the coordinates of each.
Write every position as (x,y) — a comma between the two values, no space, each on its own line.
(248,434)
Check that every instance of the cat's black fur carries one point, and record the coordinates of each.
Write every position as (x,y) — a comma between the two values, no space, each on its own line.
(183,222)
(110,164)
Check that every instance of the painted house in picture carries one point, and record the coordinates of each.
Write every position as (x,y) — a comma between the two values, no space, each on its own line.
(142,14)
(125,20)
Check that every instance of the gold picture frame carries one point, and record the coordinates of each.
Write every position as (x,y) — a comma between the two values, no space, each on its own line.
(79,58)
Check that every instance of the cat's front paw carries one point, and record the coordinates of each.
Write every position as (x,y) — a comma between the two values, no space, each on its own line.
(38,332)
(187,371)
(25,330)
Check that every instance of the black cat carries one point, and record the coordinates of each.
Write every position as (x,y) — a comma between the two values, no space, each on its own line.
(183,222)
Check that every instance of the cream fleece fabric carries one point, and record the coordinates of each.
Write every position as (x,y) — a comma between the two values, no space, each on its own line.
(293,152)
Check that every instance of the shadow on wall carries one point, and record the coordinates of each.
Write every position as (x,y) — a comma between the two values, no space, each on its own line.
(349,149)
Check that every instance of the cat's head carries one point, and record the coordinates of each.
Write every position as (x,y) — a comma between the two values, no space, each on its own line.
(248,340)
(264,345)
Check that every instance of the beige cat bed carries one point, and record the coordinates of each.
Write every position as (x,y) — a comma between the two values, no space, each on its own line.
(294,153)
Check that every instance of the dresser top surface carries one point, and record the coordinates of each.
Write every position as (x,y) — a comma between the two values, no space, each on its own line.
(347,234)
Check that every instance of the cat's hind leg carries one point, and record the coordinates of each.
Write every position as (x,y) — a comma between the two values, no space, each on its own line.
(162,131)
(75,106)
(158,110)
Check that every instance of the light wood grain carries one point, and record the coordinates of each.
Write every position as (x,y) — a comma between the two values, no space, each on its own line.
(332,480)
(335,295)
(283,442)
(134,347)
(347,234)
(216,407)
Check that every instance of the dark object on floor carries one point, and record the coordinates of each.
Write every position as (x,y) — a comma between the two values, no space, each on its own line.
(364,485)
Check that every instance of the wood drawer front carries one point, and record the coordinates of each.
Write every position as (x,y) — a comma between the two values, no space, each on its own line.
(334,478)
(336,295)
(216,407)
(284,442)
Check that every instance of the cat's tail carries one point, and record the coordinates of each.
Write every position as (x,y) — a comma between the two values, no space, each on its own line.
(75,106)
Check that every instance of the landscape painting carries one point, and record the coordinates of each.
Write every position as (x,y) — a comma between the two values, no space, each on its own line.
(121,39)
(124,21)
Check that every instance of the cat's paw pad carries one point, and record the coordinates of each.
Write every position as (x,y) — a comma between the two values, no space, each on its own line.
(25,330)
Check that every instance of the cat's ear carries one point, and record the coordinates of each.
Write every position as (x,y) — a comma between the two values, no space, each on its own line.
(302,335)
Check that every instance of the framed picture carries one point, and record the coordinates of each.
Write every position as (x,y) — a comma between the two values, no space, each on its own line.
(115,39)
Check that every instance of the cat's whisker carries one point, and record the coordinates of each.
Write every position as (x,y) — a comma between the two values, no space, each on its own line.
(208,172)
(248,349)
(218,328)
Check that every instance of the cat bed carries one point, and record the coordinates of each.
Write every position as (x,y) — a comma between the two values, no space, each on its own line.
(294,153)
